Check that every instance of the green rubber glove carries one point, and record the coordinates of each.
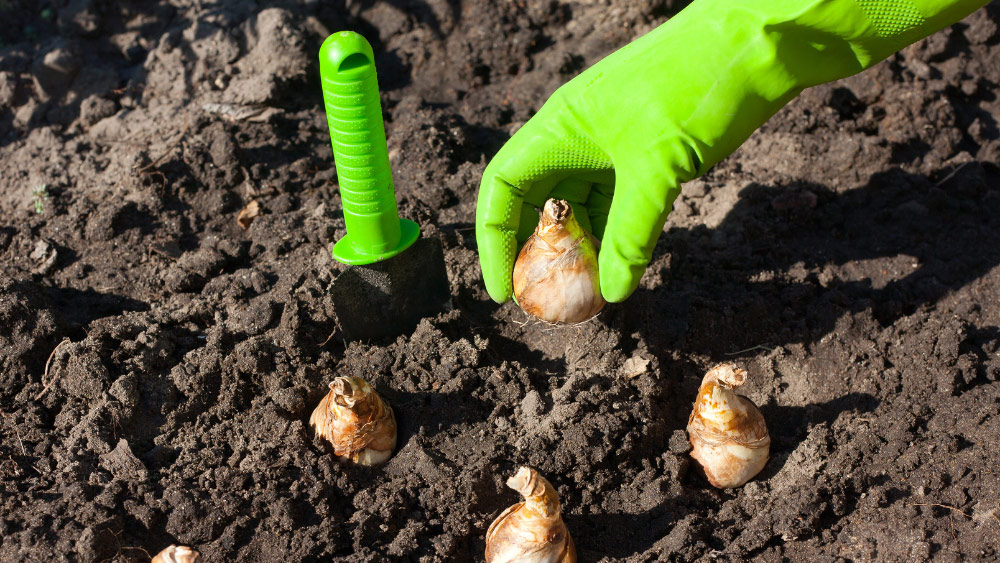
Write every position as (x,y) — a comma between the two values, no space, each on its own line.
(618,140)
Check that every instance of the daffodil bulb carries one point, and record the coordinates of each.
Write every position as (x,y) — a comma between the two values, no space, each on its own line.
(531,531)
(177,554)
(727,431)
(555,276)
(357,421)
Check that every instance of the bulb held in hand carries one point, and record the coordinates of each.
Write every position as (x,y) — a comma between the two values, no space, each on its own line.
(555,276)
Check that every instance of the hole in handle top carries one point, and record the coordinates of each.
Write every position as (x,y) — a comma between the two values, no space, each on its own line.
(353,61)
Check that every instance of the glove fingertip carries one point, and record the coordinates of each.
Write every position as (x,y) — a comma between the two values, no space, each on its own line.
(499,292)
(619,278)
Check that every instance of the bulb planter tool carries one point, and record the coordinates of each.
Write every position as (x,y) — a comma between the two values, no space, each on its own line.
(350,92)
(395,277)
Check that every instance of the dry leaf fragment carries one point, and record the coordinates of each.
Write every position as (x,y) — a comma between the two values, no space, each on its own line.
(635,366)
(45,255)
(248,214)
(240,112)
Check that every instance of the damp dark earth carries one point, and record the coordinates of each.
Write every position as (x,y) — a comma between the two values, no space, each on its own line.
(159,362)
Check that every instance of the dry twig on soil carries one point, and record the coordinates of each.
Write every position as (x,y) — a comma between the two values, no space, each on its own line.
(16,431)
(952,508)
(146,169)
(751,349)
(47,365)
(332,332)
(121,548)
(951,517)
(952,174)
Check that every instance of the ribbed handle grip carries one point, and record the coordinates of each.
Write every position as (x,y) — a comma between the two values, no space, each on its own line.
(357,132)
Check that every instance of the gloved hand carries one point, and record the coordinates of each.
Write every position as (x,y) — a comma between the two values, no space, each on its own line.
(618,140)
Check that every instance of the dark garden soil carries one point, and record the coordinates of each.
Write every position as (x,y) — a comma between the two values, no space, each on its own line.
(848,256)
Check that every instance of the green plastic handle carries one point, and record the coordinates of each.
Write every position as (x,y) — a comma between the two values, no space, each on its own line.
(353,111)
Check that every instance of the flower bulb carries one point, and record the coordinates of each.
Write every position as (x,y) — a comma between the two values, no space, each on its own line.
(555,276)
(727,431)
(355,419)
(531,531)
(177,554)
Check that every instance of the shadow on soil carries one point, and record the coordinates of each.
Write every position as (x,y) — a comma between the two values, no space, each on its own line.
(768,275)
(637,533)
(78,308)
(789,425)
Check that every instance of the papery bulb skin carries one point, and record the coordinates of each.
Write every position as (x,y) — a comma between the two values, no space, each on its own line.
(177,554)
(555,276)
(727,431)
(531,531)
(357,421)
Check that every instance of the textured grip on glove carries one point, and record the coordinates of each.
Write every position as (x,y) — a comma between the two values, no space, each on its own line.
(573,154)
(511,190)
(891,17)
